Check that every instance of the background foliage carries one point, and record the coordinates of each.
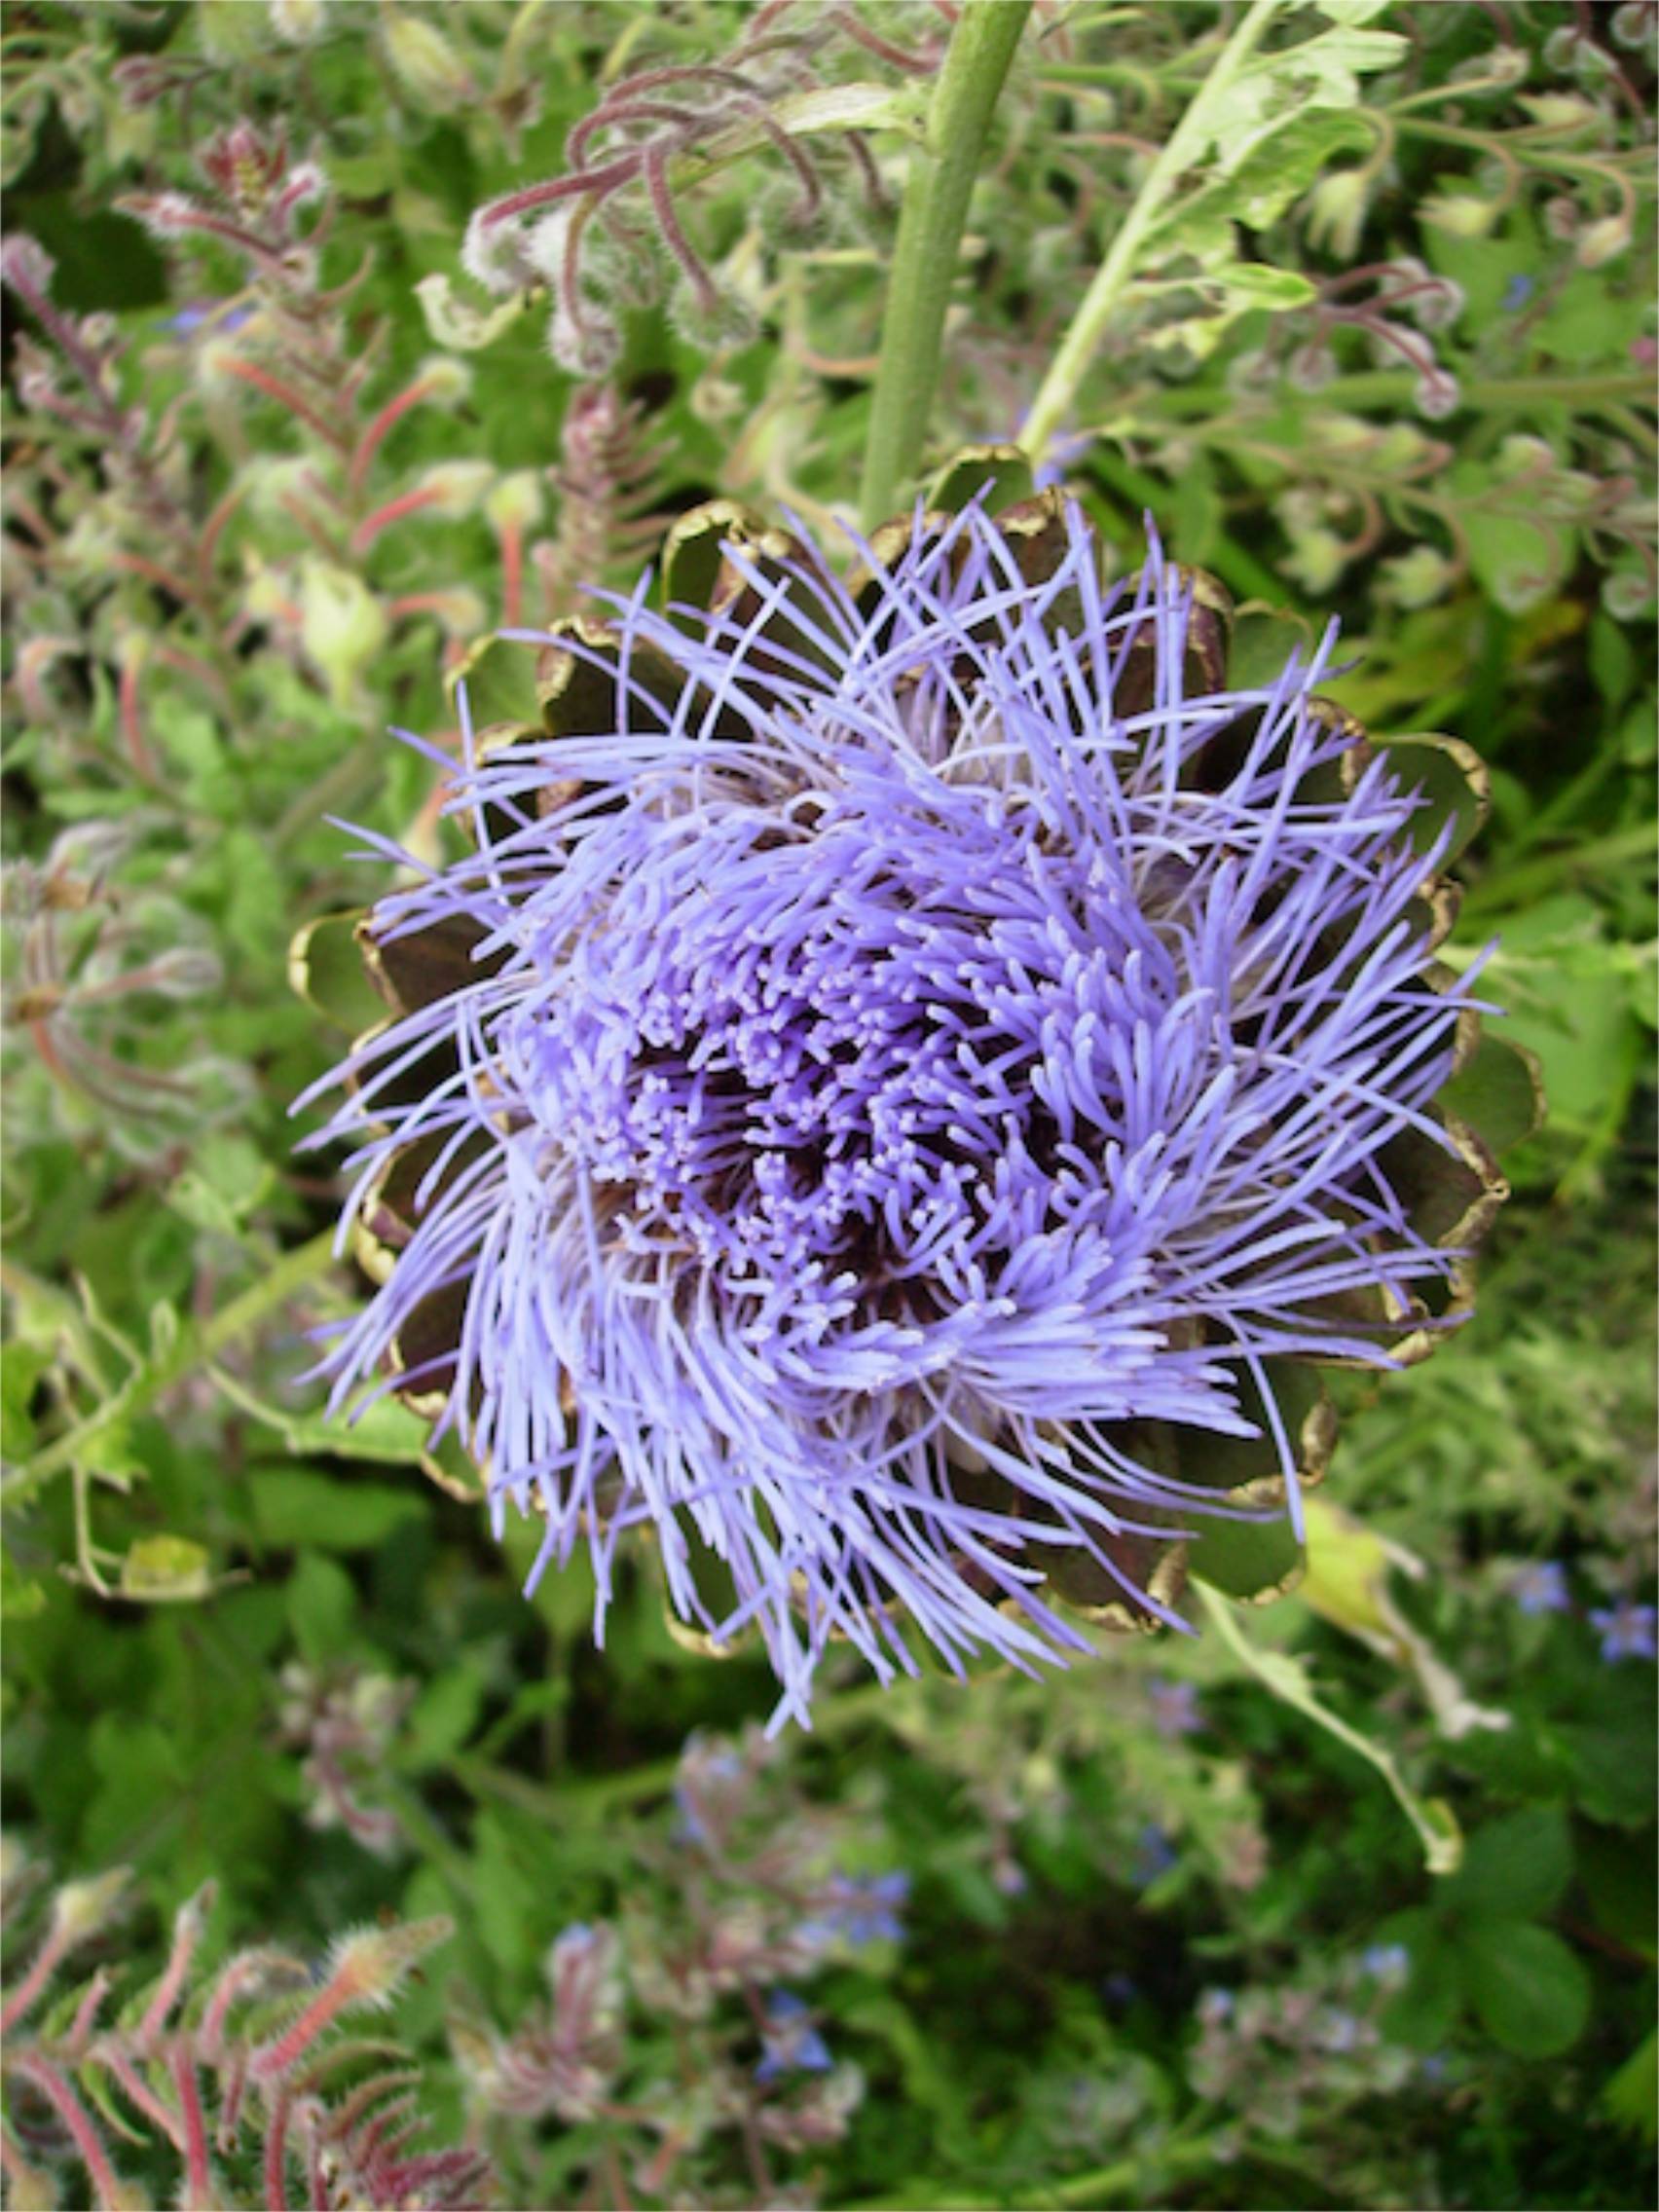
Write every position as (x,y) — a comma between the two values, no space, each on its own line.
(1147,1933)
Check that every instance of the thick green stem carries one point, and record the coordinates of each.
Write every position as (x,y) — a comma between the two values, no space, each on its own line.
(929,237)
(1082,342)
(193,1348)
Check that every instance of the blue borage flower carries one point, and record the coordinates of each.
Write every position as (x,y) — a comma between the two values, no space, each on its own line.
(901,1078)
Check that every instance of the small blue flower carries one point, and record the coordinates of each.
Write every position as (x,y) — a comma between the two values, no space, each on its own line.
(789,2042)
(1216,2005)
(218,316)
(1174,1707)
(1626,1630)
(1155,1855)
(1341,2033)
(1386,1962)
(1541,1588)
(1518,291)
(1120,1991)
(867,1910)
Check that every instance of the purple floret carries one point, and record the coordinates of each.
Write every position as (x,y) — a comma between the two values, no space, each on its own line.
(889,1070)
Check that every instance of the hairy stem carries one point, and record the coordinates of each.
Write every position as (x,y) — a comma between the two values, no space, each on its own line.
(1082,342)
(281,1281)
(929,237)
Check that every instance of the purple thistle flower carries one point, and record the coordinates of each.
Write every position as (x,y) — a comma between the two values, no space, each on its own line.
(1541,1588)
(896,1080)
(789,2042)
(1627,1631)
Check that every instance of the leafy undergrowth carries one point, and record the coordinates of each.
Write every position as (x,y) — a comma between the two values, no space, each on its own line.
(1142,1932)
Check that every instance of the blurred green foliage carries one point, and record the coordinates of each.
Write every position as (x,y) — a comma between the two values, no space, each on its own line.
(1166,1941)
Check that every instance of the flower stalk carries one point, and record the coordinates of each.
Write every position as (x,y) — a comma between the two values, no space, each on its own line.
(930,237)
(1082,342)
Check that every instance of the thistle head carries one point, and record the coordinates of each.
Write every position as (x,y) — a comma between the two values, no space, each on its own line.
(915,1072)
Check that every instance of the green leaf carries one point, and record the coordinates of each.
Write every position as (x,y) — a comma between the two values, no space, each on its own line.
(1517,558)
(384,1430)
(1254,284)
(166,1570)
(227,1179)
(20,1373)
(1530,1992)
(1422,2015)
(1514,1869)
(322,1606)
(1630,2098)
(294,1507)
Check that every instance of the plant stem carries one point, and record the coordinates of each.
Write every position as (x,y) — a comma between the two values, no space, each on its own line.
(1082,342)
(192,1346)
(931,222)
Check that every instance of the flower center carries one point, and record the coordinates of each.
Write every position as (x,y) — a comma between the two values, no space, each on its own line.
(831,1064)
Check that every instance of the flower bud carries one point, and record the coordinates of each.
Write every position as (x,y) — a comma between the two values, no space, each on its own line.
(1317,560)
(1461,214)
(186,972)
(457,322)
(1523,455)
(1627,593)
(368,1966)
(1561,113)
(297,22)
(1335,211)
(454,487)
(342,626)
(515,504)
(1416,578)
(1603,240)
(81,1910)
(426,66)
(25,261)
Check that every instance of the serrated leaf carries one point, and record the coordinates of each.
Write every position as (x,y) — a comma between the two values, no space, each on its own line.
(1530,1992)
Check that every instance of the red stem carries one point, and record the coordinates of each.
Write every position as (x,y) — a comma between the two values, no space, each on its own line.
(78,2121)
(53,1949)
(512,576)
(138,750)
(369,443)
(198,2177)
(394,511)
(276,2156)
(285,395)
